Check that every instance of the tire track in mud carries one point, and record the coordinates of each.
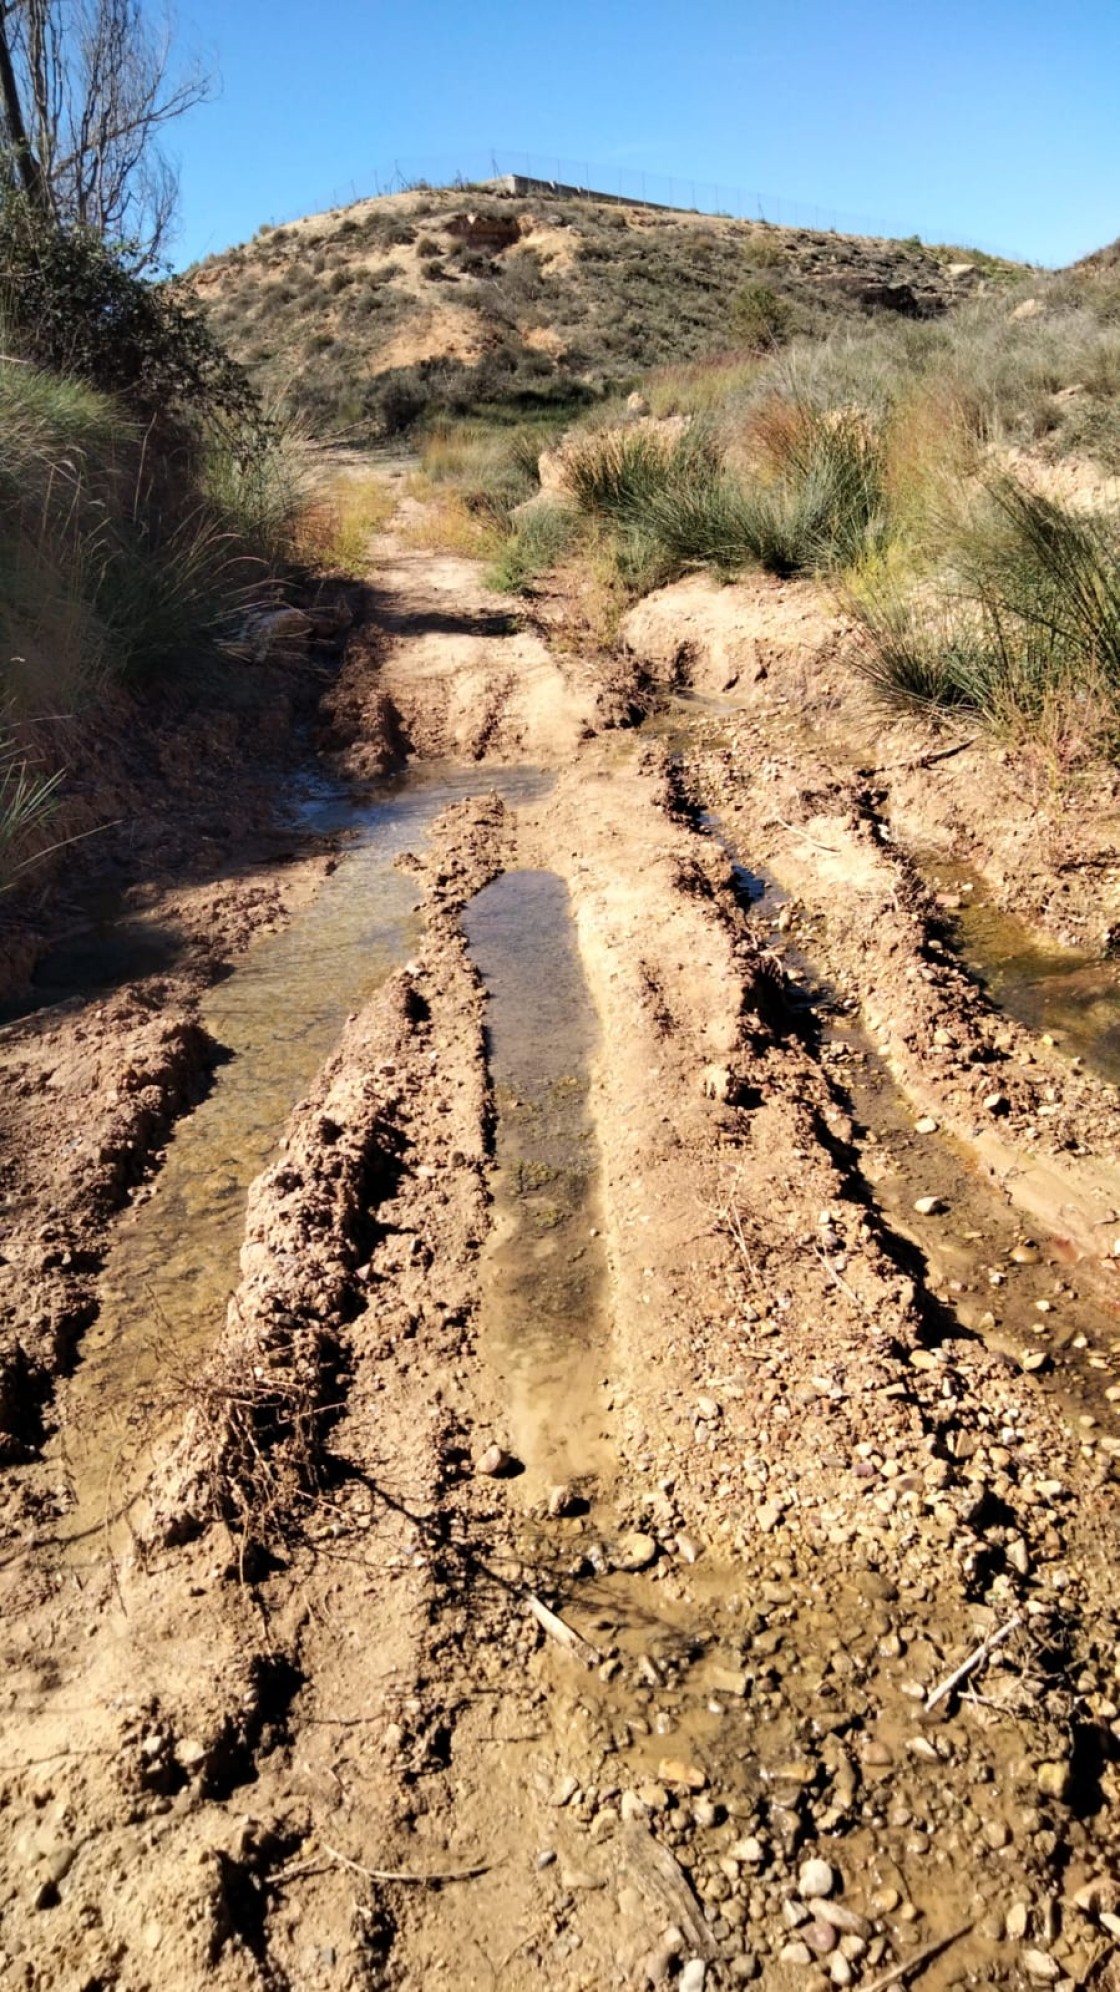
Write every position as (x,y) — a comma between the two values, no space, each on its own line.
(319,1667)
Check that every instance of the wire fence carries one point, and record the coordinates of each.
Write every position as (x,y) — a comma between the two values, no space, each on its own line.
(630,183)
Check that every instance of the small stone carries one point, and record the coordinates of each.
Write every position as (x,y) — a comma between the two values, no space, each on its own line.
(633,1551)
(561,1501)
(1052,1780)
(815,1878)
(190,1754)
(1039,1964)
(846,1920)
(693,1976)
(929,1206)
(1015,1922)
(749,1850)
(794,1913)
(1025,1254)
(633,1808)
(565,1790)
(839,1970)
(885,1901)
(768,1515)
(795,1953)
(544,1859)
(676,1771)
(997,1103)
(877,1754)
(653,1796)
(493,1462)
(820,1937)
(704,1813)
(708,1408)
(729,1681)
(927,1125)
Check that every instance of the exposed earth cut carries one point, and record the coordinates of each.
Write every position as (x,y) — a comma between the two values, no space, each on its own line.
(639,1506)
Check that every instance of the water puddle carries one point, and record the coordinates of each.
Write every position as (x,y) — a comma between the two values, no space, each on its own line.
(175,1258)
(544,1271)
(1074,997)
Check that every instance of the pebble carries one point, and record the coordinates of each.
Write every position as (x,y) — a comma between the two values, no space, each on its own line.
(1015,1922)
(749,1850)
(1039,1964)
(846,1920)
(729,1681)
(795,1953)
(1025,1254)
(816,1879)
(561,1501)
(768,1516)
(1053,1780)
(929,1206)
(839,1970)
(927,1125)
(492,1462)
(675,1770)
(708,1408)
(693,1976)
(633,1551)
(820,1937)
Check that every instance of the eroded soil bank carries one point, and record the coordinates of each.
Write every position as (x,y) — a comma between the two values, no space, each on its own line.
(441,1643)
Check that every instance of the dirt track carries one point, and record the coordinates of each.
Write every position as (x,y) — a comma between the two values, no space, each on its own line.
(296,1715)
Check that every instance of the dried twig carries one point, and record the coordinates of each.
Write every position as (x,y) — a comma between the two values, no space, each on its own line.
(404,1874)
(564,1634)
(830,850)
(922,760)
(826,1262)
(921,1957)
(974,1660)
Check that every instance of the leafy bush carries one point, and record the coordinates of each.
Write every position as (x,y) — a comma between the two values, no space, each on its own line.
(69,303)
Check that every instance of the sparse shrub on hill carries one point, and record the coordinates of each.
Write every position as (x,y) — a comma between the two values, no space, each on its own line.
(760,317)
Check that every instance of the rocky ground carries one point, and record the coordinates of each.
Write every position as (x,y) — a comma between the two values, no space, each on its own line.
(801,1668)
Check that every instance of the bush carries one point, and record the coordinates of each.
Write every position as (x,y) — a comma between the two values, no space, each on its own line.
(1022,625)
(760,317)
(68,303)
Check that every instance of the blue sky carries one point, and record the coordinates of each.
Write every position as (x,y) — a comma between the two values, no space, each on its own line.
(990,122)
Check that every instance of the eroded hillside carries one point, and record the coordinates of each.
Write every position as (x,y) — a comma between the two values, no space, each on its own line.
(362,316)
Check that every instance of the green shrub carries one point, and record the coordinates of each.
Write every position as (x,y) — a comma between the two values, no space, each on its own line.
(760,317)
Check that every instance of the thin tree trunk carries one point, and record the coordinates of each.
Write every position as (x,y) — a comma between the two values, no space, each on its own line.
(27,165)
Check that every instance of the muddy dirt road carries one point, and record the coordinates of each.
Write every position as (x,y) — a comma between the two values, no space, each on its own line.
(561,1419)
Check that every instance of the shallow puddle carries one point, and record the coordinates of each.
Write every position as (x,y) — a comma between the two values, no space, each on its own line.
(1074,997)
(544,1271)
(174,1261)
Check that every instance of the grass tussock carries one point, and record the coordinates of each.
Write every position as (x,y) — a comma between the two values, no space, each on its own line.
(1019,625)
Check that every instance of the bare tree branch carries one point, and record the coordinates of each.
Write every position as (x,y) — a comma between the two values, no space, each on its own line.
(93,86)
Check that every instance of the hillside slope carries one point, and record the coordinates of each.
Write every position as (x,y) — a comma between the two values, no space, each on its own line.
(362,316)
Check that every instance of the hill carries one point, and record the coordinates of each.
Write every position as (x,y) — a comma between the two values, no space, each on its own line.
(363,316)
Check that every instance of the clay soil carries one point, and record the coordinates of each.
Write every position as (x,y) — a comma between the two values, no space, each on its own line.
(356,1687)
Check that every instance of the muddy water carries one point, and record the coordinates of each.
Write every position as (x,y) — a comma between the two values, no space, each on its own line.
(544,1273)
(1074,997)
(175,1260)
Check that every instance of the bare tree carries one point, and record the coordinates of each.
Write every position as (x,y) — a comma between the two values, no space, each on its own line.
(87,88)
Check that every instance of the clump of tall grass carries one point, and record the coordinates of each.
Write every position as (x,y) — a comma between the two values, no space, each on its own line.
(1021,626)
(537,542)
(28,800)
(809,499)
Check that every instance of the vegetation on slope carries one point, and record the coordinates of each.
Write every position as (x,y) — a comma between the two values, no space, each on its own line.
(144,499)
(955,479)
(459,301)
